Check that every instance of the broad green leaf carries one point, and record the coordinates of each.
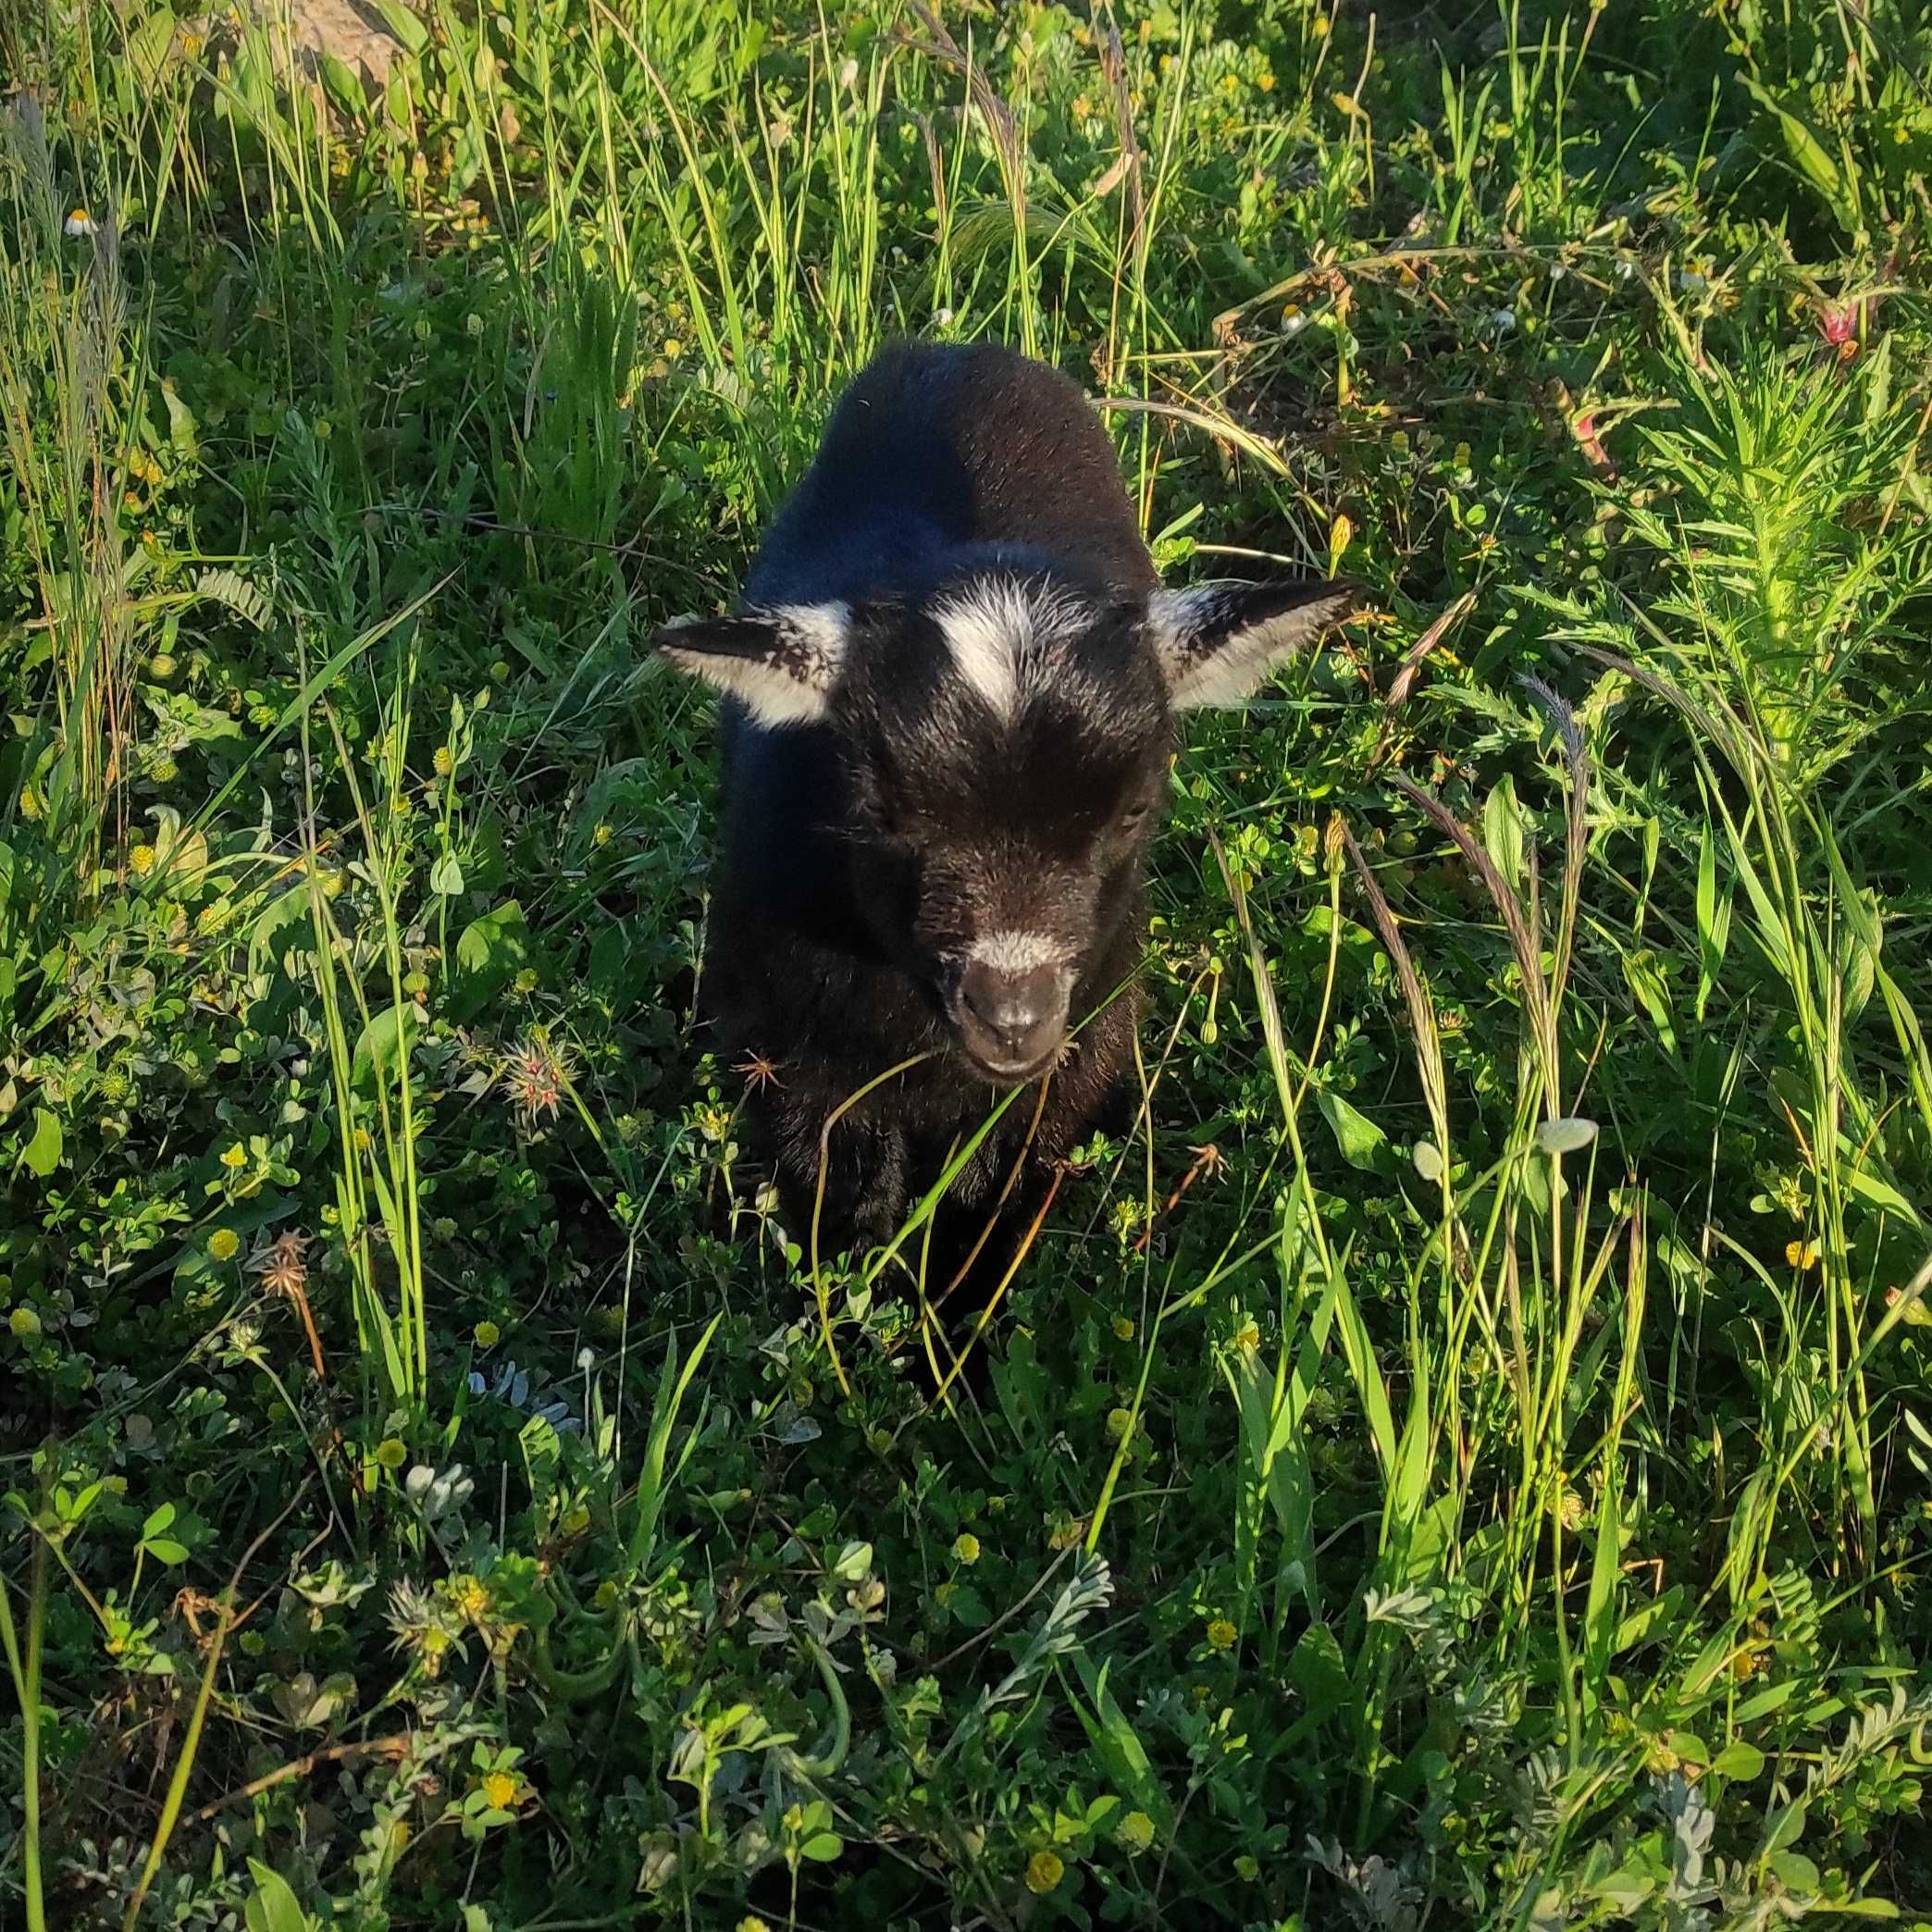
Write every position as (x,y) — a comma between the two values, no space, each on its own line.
(1318,1671)
(343,86)
(489,951)
(1118,1745)
(1807,154)
(1740,1761)
(275,1907)
(41,1154)
(1503,829)
(1355,1134)
(1600,1629)
(286,913)
(184,433)
(446,876)
(150,44)
(402,23)
(1880,1194)
(385,1044)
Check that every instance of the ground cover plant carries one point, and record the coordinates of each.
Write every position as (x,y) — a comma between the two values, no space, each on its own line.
(1466,1459)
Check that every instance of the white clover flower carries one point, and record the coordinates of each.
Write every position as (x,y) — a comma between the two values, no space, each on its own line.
(436,1495)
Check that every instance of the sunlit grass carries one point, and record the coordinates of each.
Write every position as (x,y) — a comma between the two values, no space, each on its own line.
(1461,1457)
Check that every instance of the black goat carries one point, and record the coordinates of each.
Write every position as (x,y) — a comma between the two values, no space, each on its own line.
(950,710)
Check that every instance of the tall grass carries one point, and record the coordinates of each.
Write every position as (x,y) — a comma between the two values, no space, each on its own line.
(1480,1395)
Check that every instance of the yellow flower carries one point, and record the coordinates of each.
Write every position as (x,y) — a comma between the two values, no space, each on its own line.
(966,1547)
(224,1245)
(672,349)
(1136,1832)
(500,1790)
(1123,1327)
(235,1155)
(487,1334)
(141,860)
(469,1597)
(23,1322)
(1043,1871)
(1222,1634)
(602,836)
(391,1453)
(1801,1254)
(444,760)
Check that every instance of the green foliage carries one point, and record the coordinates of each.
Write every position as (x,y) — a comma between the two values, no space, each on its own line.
(1464,1459)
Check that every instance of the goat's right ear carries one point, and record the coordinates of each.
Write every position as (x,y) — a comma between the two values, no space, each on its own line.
(779,661)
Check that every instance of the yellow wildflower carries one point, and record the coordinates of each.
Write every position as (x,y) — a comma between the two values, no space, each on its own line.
(1043,1871)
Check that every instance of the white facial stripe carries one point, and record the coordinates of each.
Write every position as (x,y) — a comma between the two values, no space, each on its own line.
(997,631)
(1018,952)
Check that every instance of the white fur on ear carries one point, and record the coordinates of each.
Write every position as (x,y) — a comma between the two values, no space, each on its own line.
(1218,641)
(779,661)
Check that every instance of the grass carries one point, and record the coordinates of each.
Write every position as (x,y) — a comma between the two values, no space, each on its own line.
(1466,1459)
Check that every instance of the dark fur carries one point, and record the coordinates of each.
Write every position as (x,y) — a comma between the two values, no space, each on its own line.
(865,851)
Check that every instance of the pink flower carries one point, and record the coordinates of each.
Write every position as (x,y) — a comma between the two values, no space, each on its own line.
(1839,325)
(1584,428)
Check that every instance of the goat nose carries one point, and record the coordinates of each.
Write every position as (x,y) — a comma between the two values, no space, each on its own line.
(1012,1007)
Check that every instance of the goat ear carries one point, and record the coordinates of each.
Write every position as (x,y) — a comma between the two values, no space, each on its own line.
(1218,641)
(779,661)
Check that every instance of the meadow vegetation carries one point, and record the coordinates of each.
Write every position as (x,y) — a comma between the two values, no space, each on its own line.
(1464,1460)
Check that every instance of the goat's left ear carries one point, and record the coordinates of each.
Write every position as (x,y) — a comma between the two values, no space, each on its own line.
(779,661)
(1218,641)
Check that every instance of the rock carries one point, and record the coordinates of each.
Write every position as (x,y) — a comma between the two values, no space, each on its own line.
(354,34)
